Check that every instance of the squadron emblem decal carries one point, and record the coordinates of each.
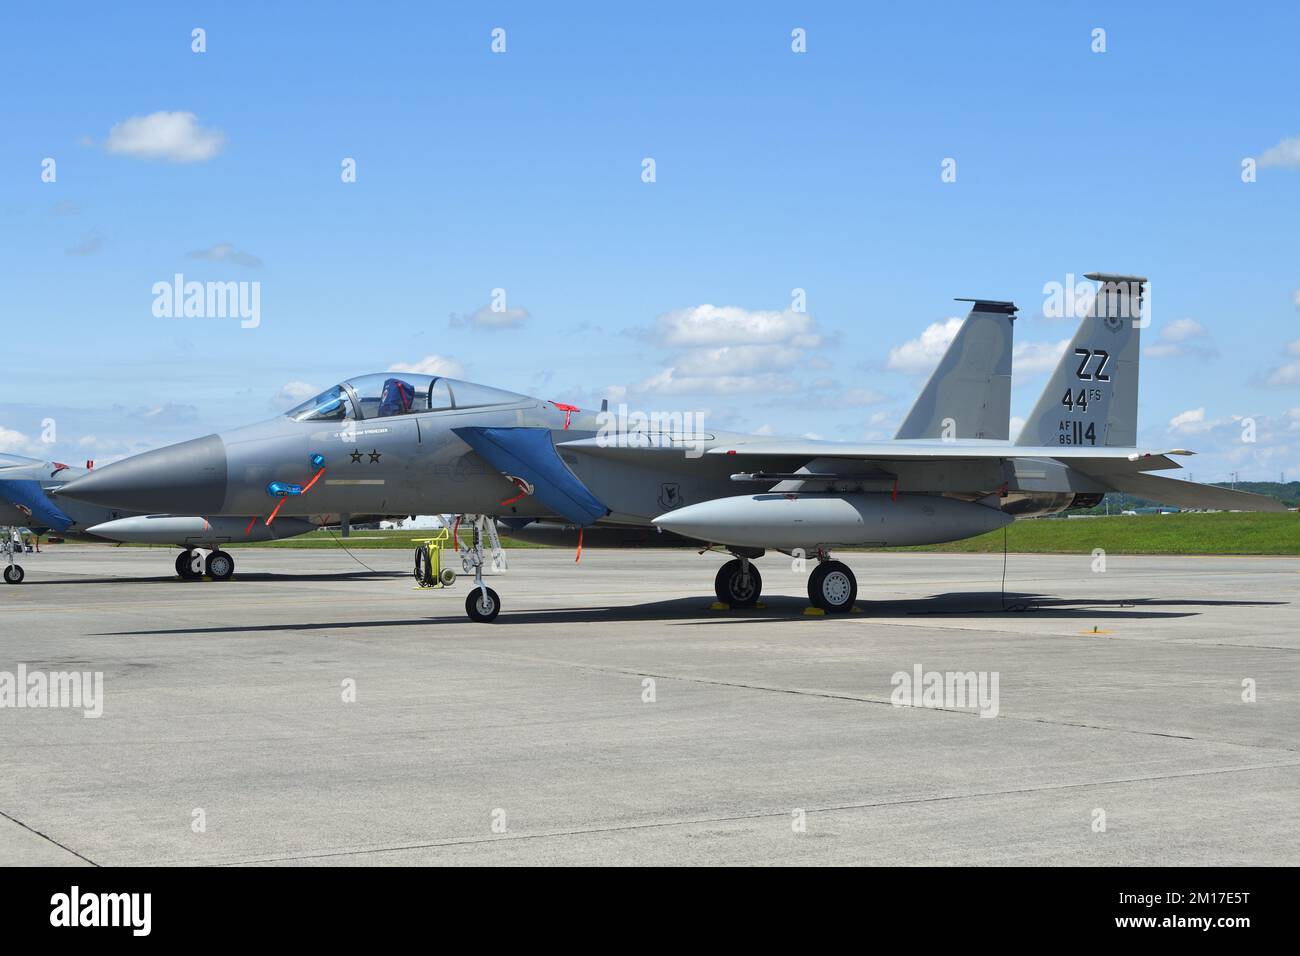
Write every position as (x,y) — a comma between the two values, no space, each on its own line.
(670,494)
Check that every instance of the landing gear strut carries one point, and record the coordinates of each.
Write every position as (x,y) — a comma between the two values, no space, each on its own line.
(832,587)
(482,603)
(738,583)
(14,572)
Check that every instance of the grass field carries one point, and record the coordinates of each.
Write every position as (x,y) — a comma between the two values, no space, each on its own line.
(1225,533)
(1222,533)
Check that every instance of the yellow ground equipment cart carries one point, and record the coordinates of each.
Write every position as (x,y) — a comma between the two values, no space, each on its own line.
(429,572)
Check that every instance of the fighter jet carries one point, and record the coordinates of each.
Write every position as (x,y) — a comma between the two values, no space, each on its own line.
(26,486)
(413,444)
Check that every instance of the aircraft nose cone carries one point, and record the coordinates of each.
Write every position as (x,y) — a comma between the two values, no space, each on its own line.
(188,479)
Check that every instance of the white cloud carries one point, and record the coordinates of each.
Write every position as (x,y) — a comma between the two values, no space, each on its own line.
(668,382)
(1182,330)
(737,359)
(15,442)
(1190,422)
(174,136)
(486,318)
(291,393)
(857,397)
(90,244)
(1178,339)
(772,345)
(1287,374)
(431,365)
(1016,426)
(703,325)
(1034,357)
(1285,153)
(226,252)
(920,355)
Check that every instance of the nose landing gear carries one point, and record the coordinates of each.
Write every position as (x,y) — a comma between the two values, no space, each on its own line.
(14,571)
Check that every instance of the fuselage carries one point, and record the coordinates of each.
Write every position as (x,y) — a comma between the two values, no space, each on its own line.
(393,444)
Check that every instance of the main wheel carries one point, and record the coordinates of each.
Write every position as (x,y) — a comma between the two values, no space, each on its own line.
(14,574)
(185,566)
(482,609)
(832,587)
(220,566)
(738,583)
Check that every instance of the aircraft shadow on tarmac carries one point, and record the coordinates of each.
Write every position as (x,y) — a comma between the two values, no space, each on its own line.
(775,610)
(253,576)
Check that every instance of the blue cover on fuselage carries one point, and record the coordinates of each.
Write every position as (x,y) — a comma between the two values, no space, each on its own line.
(530,454)
(28,494)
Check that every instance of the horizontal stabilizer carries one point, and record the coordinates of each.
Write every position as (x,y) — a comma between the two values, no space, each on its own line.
(1087,459)
(1188,494)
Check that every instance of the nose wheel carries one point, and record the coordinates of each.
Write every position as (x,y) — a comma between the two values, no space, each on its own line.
(832,587)
(482,605)
(14,574)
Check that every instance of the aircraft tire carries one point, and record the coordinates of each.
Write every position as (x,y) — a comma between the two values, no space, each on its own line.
(833,587)
(220,566)
(14,574)
(185,566)
(731,585)
(479,610)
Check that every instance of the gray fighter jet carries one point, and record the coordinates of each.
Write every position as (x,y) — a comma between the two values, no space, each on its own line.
(26,486)
(408,444)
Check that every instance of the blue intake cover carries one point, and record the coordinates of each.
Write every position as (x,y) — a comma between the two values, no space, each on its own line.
(28,494)
(529,453)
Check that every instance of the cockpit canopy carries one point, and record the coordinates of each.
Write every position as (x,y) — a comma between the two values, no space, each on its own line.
(398,393)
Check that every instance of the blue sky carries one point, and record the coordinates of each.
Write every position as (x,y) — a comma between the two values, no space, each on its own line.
(522,171)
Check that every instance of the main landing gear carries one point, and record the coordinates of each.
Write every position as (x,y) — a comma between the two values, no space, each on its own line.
(832,586)
(738,583)
(191,565)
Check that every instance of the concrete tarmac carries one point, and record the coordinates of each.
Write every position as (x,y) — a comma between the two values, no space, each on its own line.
(1147,714)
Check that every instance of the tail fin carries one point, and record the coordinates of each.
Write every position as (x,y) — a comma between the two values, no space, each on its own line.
(1091,398)
(969,393)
